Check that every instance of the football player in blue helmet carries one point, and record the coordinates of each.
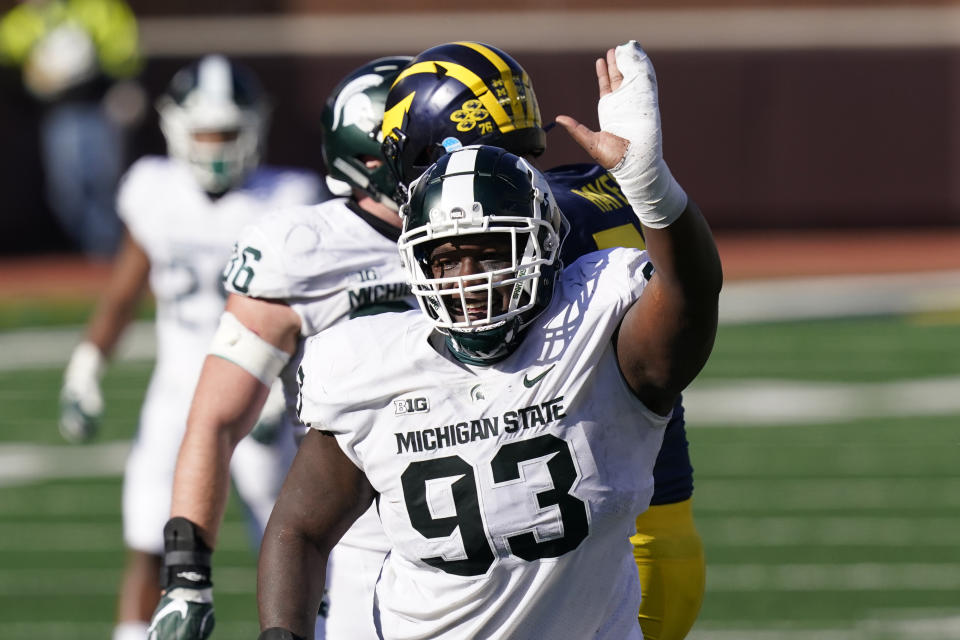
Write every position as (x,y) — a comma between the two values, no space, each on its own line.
(453,95)
(503,483)
(464,93)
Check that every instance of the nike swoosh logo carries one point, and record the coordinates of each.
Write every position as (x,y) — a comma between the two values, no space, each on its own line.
(529,382)
(171,608)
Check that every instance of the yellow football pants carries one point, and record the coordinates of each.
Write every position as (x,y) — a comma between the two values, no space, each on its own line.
(669,555)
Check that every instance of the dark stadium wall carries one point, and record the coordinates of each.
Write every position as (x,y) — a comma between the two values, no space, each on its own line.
(763,137)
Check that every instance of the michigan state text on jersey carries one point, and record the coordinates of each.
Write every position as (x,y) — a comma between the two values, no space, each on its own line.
(462,93)
(509,431)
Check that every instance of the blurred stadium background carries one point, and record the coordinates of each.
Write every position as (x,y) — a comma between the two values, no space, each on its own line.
(822,140)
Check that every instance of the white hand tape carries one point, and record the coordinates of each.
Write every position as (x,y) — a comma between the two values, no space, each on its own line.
(632,112)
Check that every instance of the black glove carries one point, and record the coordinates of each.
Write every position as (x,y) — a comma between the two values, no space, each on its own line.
(185,611)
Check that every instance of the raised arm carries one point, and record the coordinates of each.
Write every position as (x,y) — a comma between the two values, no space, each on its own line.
(254,341)
(667,335)
(226,403)
(324,493)
(81,401)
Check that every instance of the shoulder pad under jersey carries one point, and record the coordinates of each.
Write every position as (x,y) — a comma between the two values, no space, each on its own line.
(279,256)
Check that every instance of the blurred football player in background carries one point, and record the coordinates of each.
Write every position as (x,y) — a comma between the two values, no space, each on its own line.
(465,93)
(79,59)
(182,215)
(508,505)
(294,273)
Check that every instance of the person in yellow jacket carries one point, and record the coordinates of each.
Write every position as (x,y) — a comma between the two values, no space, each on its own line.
(79,58)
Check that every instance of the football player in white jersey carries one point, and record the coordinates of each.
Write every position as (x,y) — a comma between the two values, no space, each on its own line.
(492,427)
(428,113)
(294,273)
(182,214)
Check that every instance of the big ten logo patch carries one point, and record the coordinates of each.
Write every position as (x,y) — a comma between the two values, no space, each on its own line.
(472,114)
(410,405)
(366,275)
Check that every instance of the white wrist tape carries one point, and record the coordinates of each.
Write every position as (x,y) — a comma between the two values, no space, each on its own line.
(632,112)
(86,365)
(241,346)
(200,596)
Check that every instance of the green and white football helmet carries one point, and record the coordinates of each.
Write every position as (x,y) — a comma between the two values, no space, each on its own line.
(481,194)
(351,121)
(214,95)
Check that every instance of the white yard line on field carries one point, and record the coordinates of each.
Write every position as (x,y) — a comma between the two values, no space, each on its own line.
(44,348)
(770,403)
(839,296)
(767,403)
(22,463)
(741,302)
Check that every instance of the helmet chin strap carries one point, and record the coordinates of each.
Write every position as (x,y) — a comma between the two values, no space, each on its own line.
(486,346)
(391,149)
(516,295)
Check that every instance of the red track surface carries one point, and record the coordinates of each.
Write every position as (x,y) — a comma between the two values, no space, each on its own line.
(745,256)
(818,253)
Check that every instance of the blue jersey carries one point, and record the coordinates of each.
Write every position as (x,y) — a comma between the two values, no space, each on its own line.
(600,218)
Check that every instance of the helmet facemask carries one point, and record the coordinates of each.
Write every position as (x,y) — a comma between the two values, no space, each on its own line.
(509,228)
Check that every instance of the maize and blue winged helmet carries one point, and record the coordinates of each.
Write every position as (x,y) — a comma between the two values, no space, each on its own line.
(454,95)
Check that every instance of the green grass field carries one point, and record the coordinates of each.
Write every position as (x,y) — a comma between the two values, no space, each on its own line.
(846,529)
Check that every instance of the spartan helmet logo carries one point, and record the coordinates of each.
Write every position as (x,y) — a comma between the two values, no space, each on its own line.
(354,107)
(477,394)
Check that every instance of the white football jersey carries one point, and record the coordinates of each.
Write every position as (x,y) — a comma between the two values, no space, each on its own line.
(188,238)
(329,263)
(508,492)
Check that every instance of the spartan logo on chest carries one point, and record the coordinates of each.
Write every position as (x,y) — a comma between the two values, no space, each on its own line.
(405,406)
